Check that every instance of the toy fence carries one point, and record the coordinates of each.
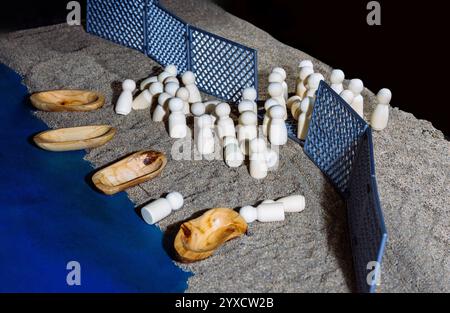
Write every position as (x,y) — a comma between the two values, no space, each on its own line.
(223,68)
(339,142)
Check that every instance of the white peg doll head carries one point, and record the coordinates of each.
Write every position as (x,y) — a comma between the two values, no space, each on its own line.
(249,93)
(246,105)
(128,85)
(198,109)
(384,96)
(356,86)
(275,77)
(306,63)
(183,94)
(171,79)
(281,71)
(171,88)
(337,78)
(188,78)
(156,88)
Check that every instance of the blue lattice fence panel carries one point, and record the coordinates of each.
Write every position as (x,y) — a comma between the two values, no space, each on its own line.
(119,21)
(223,68)
(365,218)
(333,136)
(167,37)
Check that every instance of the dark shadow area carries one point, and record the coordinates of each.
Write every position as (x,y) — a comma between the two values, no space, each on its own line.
(400,54)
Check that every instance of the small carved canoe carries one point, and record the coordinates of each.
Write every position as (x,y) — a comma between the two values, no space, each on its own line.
(197,239)
(74,138)
(67,100)
(130,171)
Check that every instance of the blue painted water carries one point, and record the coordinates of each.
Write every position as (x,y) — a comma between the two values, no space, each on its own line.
(49,216)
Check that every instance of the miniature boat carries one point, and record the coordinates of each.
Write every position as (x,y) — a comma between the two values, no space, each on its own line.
(197,239)
(130,171)
(74,138)
(67,100)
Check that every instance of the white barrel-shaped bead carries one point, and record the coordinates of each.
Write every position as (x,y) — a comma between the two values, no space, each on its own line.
(270,212)
(156,211)
(294,203)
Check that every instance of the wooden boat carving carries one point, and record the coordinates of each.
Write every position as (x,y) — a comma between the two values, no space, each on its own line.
(130,171)
(74,138)
(197,239)
(67,100)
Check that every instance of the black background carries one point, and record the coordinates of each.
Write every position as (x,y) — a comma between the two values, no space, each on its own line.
(407,53)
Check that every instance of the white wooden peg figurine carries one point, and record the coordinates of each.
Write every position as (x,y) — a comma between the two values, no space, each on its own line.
(277,128)
(177,119)
(169,71)
(197,109)
(161,111)
(283,74)
(162,207)
(225,124)
(233,155)
(337,79)
(258,162)
(155,90)
(301,89)
(188,80)
(205,137)
(143,101)
(247,130)
(276,92)
(124,103)
(250,94)
(356,86)
(266,121)
(380,115)
(303,119)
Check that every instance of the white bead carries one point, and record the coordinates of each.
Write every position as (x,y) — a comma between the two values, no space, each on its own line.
(248,213)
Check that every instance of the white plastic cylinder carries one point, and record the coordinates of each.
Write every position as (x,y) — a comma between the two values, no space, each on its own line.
(270,212)
(156,211)
(294,203)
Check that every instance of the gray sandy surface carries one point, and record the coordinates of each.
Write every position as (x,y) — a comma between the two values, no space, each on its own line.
(308,252)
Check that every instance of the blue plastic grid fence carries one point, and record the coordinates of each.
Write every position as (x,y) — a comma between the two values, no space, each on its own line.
(223,68)
(339,142)
(333,136)
(167,38)
(365,219)
(119,21)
